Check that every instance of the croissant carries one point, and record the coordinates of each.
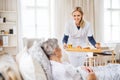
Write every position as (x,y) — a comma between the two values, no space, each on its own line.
(86,48)
(79,47)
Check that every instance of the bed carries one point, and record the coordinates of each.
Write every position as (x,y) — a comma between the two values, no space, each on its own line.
(39,58)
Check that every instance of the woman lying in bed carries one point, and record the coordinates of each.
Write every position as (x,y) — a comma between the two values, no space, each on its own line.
(63,71)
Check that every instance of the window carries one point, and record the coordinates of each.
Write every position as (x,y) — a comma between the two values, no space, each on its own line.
(112,20)
(35,18)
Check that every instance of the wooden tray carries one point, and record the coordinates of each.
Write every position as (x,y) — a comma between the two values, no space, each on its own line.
(83,50)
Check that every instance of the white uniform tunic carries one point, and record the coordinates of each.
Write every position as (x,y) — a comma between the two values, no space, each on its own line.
(77,37)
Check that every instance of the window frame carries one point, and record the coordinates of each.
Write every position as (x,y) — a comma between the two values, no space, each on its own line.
(35,8)
(111,10)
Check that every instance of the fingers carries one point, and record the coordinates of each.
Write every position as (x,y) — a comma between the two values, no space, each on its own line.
(88,69)
(97,45)
(65,45)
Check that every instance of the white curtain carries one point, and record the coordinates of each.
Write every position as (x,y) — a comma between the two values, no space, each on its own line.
(63,10)
(99,19)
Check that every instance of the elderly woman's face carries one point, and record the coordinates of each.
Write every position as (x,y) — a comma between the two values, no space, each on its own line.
(77,16)
(58,52)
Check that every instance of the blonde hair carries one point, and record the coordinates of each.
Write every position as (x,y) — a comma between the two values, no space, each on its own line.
(79,9)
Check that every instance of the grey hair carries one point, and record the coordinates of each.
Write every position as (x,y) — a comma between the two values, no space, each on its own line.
(49,46)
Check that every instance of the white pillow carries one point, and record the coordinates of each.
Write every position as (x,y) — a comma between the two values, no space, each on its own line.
(38,54)
(30,69)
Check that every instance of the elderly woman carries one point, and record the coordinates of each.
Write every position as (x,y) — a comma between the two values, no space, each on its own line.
(61,71)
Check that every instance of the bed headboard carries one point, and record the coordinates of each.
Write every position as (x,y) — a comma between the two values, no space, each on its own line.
(28,42)
(38,54)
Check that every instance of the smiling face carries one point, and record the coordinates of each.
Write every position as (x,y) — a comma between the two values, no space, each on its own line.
(77,17)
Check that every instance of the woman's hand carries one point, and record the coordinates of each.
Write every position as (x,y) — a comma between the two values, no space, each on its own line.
(97,45)
(64,45)
(88,69)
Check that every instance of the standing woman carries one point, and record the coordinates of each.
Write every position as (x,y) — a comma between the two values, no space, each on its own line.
(78,32)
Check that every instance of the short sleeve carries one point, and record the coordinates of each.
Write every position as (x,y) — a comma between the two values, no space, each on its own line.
(67,28)
(90,33)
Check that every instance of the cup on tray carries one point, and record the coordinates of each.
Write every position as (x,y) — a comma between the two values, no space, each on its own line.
(69,45)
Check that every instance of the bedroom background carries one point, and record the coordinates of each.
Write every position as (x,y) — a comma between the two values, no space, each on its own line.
(46,18)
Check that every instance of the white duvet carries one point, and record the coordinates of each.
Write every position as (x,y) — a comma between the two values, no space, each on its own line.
(108,72)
